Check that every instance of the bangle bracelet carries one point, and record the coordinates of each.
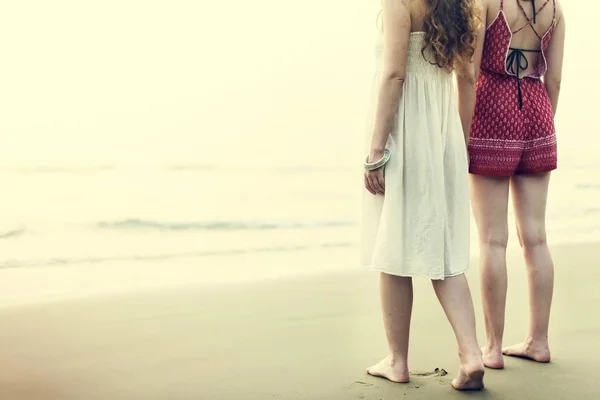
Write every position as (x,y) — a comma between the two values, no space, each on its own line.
(378,164)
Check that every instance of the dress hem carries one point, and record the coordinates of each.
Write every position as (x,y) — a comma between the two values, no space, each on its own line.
(416,275)
(482,171)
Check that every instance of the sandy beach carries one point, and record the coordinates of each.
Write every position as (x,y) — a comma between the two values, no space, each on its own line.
(182,183)
(290,337)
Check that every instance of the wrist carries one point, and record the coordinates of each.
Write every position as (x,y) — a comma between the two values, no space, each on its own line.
(375,161)
(375,154)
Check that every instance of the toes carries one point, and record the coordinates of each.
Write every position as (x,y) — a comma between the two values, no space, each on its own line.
(515,351)
(389,375)
(521,351)
(395,372)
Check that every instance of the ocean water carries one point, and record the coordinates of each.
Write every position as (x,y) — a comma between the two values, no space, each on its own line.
(181,133)
(111,214)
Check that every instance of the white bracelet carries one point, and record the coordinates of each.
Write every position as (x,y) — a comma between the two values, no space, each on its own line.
(376,165)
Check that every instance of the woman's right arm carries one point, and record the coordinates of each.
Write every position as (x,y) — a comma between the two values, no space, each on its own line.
(554,57)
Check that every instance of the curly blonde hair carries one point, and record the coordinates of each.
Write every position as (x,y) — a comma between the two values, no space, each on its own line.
(451,31)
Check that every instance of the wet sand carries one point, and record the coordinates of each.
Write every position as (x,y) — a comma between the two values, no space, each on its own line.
(307,337)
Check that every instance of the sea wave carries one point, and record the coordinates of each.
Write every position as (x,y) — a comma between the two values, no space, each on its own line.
(67,261)
(141,224)
(57,169)
(12,233)
(191,167)
(174,168)
(588,186)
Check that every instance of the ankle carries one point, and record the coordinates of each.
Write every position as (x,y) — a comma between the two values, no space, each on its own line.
(470,355)
(493,347)
(536,341)
(397,359)
(472,362)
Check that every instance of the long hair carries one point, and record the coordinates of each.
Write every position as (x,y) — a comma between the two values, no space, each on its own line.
(450,32)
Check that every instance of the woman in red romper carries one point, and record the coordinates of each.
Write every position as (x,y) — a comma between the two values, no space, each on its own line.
(513,144)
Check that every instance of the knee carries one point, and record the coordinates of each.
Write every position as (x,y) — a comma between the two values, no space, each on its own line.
(498,240)
(532,236)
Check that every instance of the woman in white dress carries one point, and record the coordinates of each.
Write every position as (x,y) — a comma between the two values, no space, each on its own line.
(416,203)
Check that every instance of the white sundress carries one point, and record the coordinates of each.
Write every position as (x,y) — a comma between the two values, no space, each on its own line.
(421,226)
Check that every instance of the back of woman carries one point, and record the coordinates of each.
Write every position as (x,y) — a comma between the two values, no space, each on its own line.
(528,29)
(421,129)
(416,199)
(513,123)
(513,148)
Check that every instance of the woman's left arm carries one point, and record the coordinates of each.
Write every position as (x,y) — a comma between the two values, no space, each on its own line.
(467,75)
(396,32)
(554,57)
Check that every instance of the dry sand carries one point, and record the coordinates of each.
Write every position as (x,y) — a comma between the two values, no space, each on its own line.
(307,338)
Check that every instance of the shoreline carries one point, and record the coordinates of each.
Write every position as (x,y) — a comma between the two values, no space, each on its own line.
(38,285)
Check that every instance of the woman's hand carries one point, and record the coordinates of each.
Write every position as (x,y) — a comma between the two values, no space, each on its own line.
(375,179)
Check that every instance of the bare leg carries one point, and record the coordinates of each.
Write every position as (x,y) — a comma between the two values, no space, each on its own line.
(396,305)
(530,193)
(455,297)
(490,207)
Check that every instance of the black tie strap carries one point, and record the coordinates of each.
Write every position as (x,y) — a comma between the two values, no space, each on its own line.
(515,63)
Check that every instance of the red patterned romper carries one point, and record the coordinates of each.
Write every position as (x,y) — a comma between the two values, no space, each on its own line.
(513,125)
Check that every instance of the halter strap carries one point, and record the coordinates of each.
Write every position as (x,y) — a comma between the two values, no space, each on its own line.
(531,21)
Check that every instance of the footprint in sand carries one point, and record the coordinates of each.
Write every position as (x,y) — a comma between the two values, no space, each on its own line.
(436,372)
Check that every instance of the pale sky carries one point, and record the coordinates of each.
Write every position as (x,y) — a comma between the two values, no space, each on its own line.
(188,81)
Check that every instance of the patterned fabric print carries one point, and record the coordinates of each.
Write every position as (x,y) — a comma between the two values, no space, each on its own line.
(505,140)
(541,67)
(495,48)
(539,153)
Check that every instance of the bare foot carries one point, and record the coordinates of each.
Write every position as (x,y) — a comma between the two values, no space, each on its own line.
(530,351)
(492,358)
(391,370)
(469,378)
